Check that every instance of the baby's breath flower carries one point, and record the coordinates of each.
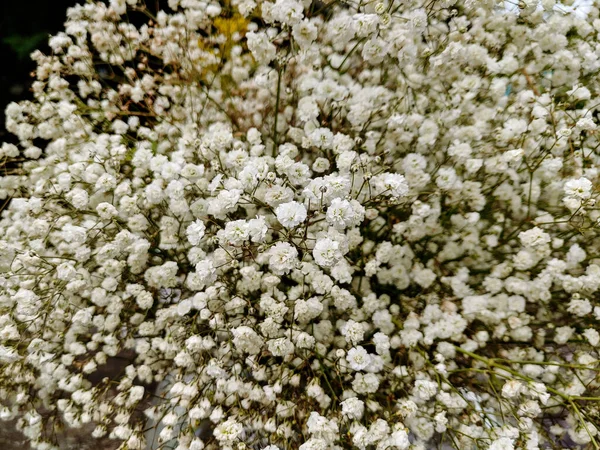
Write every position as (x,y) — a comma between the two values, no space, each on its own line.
(291,214)
(306,226)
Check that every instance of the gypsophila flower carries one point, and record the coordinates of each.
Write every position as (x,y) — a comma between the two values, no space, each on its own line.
(392,184)
(304,33)
(282,258)
(291,214)
(206,272)
(342,214)
(66,272)
(247,340)
(195,232)
(106,211)
(579,188)
(327,252)
(353,408)
(579,306)
(424,389)
(8,355)
(503,443)
(228,431)
(512,388)
(592,336)
(260,46)
(295,244)
(358,358)
(353,331)
(534,237)
(280,347)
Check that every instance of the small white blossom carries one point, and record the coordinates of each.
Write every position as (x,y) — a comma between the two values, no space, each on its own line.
(228,431)
(291,214)
(358,358)
(282,258)
(195,232)
(353,408)
(327,252)
(578,188)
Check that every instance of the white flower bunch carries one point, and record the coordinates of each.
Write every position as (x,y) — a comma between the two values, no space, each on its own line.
(306,225)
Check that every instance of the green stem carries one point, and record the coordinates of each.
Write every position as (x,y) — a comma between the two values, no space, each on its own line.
(567,398)
(279,76)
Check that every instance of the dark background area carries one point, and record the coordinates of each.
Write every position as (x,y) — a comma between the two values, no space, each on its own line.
(25,25)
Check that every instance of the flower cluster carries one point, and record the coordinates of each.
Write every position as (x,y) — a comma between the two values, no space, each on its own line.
(307,225)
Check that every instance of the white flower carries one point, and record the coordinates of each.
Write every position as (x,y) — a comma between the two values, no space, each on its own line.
(365,24)
(276,195)
(367,383)
(342,213)
(382,342)
(327,252)
(247,340)
(164,276)
(304,33)
(106,211)
(106,183)
(66,271)
(539,390)
(206,271)
(504,443)
(8,355)
(358,358)
(580,188)
(353,331)
(228,431)
(321,165)
(374,50)
(195,232)
(261,47)
(280,347)
(563,334)
(322,428)
(306,310)
(534,237)
(392,184)
(473,165)
(314,444)
(353,408)
(282,258)
(257,228)
(580,306)
(225,202)
(291,214)
(512,388)
(321,138)
(235,232)
(586,123)
(592,336)
(399,439)
(425,389)
(308,109)
(78,198)
(446,178)
(288,12)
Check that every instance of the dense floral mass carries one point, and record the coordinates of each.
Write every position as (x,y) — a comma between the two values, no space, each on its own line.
(314,225)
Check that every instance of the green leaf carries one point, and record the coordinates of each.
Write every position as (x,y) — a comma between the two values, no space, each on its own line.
(24,45)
